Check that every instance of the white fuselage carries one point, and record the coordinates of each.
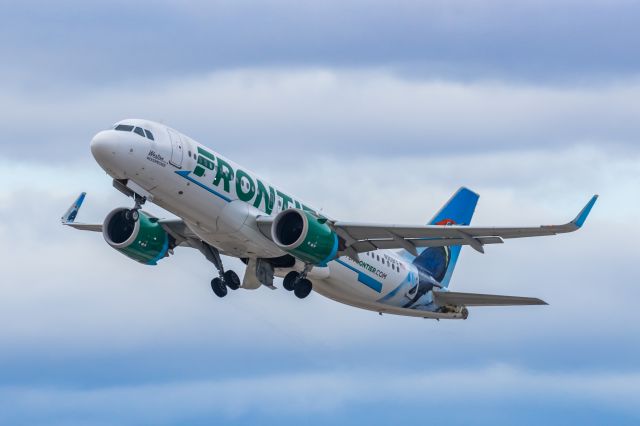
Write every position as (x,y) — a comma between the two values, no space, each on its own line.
(219,201)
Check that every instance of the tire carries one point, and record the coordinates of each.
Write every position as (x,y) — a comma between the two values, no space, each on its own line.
(232,280)
(218,287)
(303,288)
(289,281)
(132,215)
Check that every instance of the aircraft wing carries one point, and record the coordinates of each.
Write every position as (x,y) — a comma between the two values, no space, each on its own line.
(180,232)
(361,237)
(175,227)
(444,298)
(95,227)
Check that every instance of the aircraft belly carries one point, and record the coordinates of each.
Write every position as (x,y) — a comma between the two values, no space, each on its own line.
(331,291)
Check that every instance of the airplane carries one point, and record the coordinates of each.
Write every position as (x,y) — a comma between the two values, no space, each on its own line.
(223,208)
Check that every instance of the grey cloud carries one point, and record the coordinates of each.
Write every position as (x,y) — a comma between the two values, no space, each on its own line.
(570,42)
(355,113)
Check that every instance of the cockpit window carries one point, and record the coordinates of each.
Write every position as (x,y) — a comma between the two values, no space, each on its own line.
(138,130)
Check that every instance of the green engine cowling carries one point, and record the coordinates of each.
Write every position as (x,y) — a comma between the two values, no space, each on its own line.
(143,240)
(305,236)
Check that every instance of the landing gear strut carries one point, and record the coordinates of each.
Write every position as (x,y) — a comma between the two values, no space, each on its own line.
(298,283)
(131,215)
(226,278)
(134,214)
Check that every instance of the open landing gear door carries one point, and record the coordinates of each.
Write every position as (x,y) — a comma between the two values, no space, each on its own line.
(258,273)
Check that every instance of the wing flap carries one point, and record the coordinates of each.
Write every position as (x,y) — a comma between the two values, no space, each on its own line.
(474,299)
(369,245)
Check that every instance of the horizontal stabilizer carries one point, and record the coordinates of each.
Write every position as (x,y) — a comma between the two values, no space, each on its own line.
(472,299)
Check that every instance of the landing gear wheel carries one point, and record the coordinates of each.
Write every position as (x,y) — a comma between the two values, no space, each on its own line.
(302,288)
(218,287)
(132,215)
(232,280)
(289,282)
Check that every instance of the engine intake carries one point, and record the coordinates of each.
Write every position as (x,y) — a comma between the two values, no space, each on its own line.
(305,236)
(143,240)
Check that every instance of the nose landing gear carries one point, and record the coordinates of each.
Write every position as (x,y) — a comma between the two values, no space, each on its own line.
(133,215)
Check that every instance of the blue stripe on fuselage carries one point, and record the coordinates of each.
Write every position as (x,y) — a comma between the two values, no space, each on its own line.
(185,174)
(364,278)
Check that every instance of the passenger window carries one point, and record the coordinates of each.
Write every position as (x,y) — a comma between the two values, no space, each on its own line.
(149,134)
(124,127)
(139,131)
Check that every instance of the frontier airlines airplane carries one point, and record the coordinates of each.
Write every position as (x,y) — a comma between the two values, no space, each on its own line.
(223,208)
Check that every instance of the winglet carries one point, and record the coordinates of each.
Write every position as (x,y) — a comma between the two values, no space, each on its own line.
(582,216)
(72,212)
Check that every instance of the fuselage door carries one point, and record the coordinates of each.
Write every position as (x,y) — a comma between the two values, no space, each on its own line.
(176,148)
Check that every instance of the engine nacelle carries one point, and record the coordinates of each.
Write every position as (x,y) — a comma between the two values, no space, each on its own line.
(305,236)
(143,240)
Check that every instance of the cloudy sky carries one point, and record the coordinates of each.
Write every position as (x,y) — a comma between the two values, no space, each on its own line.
(374,111)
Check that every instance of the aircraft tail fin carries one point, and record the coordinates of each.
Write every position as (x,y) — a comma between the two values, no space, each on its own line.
(439,262)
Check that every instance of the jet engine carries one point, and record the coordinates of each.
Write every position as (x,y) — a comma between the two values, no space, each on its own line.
(305,236)
(143,240)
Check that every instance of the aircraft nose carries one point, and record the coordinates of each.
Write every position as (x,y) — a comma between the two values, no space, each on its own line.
(103,147)
(109,151)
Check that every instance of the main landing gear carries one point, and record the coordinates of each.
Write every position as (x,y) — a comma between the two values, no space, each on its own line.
(298,283)
(227,279)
